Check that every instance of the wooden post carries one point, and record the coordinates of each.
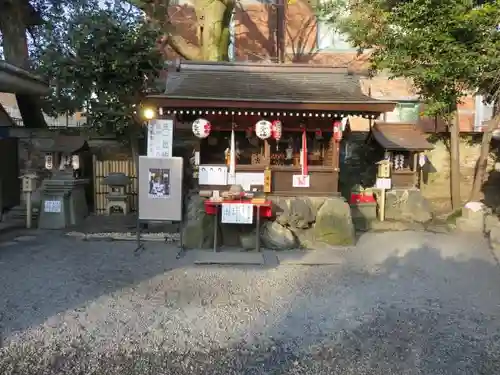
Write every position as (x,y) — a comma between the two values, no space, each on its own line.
(416,167)
(455,162)
(267,152)
(28,209)
(267,180)
(381,212)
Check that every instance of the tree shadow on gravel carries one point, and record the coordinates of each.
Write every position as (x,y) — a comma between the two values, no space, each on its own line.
(58,273)
(412,312)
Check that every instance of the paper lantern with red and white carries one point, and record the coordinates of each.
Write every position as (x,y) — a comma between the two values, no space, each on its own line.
(277,131)
(337,131)
(263,129)
(201,128)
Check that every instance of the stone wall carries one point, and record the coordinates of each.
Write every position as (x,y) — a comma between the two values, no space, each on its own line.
(436,184)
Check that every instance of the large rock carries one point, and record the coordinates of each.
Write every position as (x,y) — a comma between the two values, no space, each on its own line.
(306,240)
(275,236)
(394,226)
(495,237)
(334,224)
(198,229)
(298,214)
(490,221)
(407,205)
(248,240)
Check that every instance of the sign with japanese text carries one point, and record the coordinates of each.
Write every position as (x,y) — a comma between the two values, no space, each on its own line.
(237,213)
(160,138)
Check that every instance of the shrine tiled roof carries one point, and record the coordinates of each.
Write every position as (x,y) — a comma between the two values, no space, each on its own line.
(266,83)
(16,80)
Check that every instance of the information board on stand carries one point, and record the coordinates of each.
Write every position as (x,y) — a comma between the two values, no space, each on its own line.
(160,192)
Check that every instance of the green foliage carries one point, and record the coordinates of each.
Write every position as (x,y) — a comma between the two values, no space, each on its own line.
(448,48)
(97,60)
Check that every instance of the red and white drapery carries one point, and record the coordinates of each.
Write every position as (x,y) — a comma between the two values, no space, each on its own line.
(232,158)
(303,161)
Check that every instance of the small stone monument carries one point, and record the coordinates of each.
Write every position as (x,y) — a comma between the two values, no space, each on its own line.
(117,197)
(63,201)
(473,217)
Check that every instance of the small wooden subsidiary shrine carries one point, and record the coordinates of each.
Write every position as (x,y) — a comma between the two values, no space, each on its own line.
(269,128)
(403,145)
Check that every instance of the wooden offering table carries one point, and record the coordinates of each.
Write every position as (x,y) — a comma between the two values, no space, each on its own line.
(241,211)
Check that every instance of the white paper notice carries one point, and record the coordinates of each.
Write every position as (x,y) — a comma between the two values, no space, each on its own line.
(237,213)
(52,206)
(212,175)
(300,181)
(383,183)
(160,138)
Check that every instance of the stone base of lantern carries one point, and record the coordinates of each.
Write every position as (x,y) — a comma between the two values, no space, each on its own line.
(117,201)
(63,201)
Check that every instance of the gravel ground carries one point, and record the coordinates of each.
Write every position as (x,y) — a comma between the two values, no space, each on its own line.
(402,303)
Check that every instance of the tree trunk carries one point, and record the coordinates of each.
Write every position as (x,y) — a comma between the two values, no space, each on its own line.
(455,162)
(482,161)
(14,19)
(214,22)
(214,19)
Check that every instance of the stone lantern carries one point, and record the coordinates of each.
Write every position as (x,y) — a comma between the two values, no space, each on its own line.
(117,197)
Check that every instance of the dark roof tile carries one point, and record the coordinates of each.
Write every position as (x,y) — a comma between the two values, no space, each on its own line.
(400,137)
(266,83)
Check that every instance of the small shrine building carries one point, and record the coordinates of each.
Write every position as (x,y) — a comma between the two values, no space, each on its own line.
(272,128)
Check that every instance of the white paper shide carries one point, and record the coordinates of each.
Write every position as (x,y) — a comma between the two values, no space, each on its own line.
(212,175)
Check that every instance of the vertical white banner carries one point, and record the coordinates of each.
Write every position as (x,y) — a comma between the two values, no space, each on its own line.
(160,138)
(232,160)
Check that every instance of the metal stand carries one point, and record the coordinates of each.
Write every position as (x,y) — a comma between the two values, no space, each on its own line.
(216,227)
(257,229)
(140,244)
(138,234)
(28,210)
(182,250)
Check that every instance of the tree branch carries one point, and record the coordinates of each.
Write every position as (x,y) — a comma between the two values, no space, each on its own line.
(157,11)
(182,47)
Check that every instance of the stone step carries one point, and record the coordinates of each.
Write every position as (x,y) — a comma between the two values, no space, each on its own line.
(19,212)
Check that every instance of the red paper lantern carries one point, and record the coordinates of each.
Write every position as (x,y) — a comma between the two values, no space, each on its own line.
(337,131)
(277,131)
